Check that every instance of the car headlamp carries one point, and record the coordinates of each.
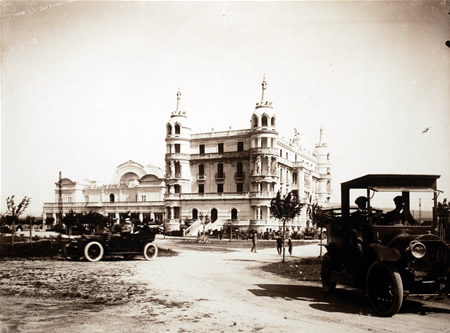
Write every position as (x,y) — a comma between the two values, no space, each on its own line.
(418,250)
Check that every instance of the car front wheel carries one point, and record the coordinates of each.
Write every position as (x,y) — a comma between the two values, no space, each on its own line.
(150,251)
(93,251)
(384,289)
(328,285)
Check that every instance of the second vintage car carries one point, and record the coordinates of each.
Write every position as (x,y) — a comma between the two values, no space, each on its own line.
(389,253)
(95,247)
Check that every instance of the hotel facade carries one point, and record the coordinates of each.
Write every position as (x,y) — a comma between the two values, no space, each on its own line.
(225,175)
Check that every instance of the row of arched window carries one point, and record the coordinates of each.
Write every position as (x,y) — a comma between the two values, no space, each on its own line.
(176,130)
(214,213)
(265,119)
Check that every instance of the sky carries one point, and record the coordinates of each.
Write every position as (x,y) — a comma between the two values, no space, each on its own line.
(88,85)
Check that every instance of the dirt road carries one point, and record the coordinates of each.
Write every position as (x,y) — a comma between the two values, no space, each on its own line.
(194,291)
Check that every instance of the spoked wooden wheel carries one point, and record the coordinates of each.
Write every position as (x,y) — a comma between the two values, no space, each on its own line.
(93,251)
(150,251)
(385,289)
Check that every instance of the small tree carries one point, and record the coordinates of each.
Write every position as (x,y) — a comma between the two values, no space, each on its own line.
(69,220)
(285,209)
(15,211)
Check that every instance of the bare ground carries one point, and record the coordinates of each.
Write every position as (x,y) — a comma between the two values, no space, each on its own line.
(205,288)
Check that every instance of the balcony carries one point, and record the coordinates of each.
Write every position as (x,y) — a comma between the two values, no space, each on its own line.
(239,175)
(177,156)
(262,195)
(176,176)
(201,178)
(220,176)
(264,150)
(242,155)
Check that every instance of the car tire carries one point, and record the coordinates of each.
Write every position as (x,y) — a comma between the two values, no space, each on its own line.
(328,285)
(93,251)
(69,255)
(384,289)
(150,251)
(324,236)
(316,237)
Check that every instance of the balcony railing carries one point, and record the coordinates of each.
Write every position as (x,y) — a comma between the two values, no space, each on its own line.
(201,177)
(264,150)
(203,196)
(230,154)
(68,205)
(262,195)
(220,176)
(239,175)
(178,156)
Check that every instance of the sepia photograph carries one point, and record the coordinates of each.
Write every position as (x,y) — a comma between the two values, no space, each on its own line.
(225,166)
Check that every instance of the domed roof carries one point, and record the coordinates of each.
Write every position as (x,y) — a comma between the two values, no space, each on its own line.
(151,169)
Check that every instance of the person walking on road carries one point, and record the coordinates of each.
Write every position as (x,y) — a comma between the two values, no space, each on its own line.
(279,244)
(290,246)
(254,240)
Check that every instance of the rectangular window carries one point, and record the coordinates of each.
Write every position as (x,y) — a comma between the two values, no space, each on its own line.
(220,188)
(240,169)
(239,187)
(281,152)
(240,146)
(112,216)
(201,169)
(143,198)
(202,149)
(86,198)
(287,155)
(177,148)
(201,188)
(220,148)
(158,217)
(69,199)
(220,170)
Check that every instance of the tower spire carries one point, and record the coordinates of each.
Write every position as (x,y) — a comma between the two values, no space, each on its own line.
(264,87)
(178,100)
(321,135)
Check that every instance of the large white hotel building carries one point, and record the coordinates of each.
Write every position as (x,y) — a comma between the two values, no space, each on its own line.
(227,175)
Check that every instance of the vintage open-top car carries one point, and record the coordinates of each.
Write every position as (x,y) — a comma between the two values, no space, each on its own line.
(95,247)
(387,247)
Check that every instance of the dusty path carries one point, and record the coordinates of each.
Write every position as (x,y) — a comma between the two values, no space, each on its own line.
(207,292)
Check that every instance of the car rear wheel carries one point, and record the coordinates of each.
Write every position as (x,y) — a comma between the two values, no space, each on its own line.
(384,289)
(93,251)
(150,251)
(327,284)
(316,236)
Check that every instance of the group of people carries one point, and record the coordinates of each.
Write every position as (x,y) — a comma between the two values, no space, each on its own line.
(127,227)
(279,240)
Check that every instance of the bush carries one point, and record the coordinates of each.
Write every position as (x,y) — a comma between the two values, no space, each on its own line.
(41,248)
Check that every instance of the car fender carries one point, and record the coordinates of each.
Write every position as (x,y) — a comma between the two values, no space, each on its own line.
(384,253)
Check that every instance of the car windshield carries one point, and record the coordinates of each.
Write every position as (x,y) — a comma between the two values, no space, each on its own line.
(418,203)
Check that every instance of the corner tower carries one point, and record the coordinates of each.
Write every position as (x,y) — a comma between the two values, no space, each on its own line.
(324,169)
(178,171)
(263,158)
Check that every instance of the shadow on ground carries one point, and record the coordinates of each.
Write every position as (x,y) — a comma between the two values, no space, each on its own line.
(341,300)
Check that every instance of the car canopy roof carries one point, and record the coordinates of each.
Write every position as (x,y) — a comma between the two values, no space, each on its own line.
(387,182)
